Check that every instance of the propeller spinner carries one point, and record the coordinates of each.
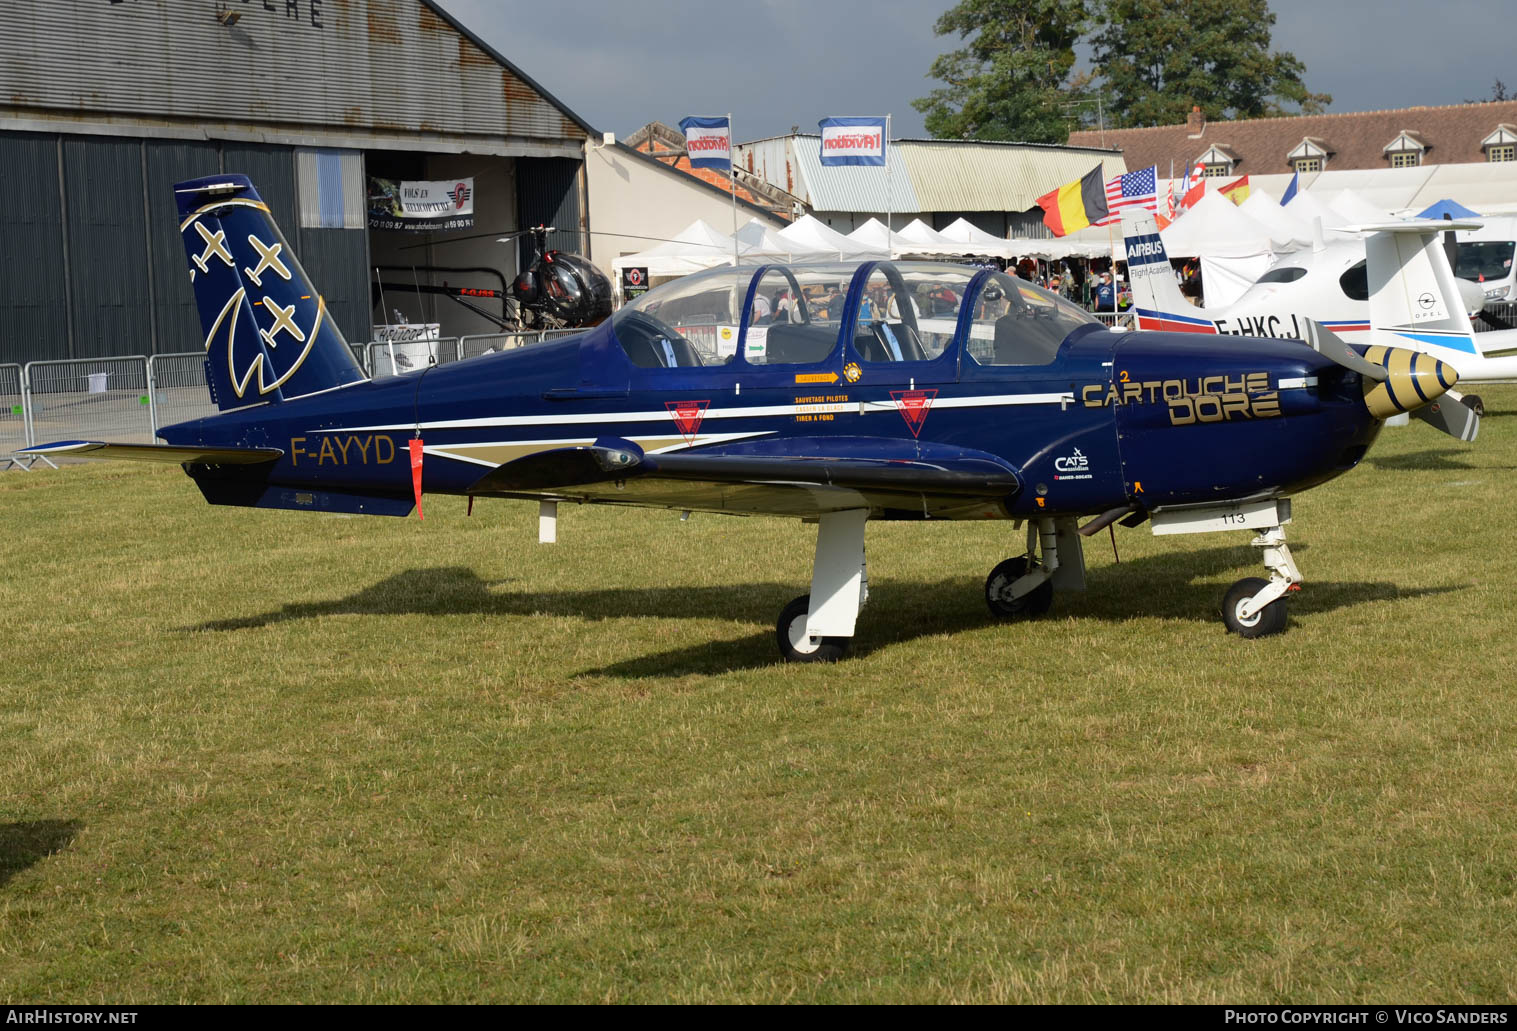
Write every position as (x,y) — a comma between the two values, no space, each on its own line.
(1398,379)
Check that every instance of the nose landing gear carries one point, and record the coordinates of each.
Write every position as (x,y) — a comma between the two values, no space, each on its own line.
(1254,607)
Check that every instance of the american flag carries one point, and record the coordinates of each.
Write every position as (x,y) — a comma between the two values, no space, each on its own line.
(1135,189)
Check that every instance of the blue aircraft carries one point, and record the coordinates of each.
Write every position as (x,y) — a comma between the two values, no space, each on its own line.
(837,394)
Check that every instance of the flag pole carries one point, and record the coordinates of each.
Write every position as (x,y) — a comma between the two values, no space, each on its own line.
(732,180)
(889,197)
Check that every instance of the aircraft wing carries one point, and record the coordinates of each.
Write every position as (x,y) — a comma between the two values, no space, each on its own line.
(172,453)
(814,476)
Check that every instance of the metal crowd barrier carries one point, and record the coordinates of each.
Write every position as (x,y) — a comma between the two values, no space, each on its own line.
(13,421)
(408,356)
(484,343)
(1505,312)
(88,399)
(179,392)
(1116,319)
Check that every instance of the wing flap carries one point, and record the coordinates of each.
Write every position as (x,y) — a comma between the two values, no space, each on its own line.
(618,471)
(172,453)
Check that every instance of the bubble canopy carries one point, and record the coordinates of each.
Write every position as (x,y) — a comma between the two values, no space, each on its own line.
(876,312)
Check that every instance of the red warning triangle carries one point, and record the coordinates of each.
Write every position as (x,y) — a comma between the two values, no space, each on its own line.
(687,416)
(913,406)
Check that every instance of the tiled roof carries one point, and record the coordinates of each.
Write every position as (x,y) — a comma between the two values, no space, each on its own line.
(1355,140)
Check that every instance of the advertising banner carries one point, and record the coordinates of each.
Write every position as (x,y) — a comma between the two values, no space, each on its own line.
(708,141)
(421,205)
(853,141)
(634,283)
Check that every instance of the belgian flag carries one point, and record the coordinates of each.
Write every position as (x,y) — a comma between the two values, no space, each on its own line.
(1075,205)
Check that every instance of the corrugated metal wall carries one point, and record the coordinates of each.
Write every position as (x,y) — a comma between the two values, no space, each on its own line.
(92,263)
(372,64)
(175,321)
(547,193)
(33,312)
(107,246)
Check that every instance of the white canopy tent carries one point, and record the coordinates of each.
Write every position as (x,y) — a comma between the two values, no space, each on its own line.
(1215,225)
(917,237)
(873,236)
(1282,223)
(696,247)
(756,242)
(1356,209)
(1092,242)
(1308,207)
(814,235)
(971,239)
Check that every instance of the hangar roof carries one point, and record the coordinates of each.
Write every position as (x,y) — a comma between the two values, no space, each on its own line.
(927,175)
(359,73)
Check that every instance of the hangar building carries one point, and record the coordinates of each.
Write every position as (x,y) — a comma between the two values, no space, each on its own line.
(106,103)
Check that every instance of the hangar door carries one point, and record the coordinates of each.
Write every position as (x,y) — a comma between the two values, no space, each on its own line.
(547,193)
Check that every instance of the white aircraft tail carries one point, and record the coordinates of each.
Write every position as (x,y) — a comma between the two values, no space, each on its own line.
(1411,286)
(1156,297)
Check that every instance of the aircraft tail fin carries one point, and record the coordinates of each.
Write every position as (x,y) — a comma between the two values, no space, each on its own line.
(268,334)
(1156,296)
(1411,285)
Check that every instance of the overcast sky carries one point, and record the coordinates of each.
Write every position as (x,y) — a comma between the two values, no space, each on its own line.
(778,63)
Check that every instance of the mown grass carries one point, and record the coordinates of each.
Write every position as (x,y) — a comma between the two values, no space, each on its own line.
(270,756)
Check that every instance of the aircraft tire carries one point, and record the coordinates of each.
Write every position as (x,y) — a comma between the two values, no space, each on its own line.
(1029,606)
(1474,403)
(1269,620)
(796,645)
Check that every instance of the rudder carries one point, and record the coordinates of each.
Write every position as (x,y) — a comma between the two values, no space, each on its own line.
(268,334)
(1155,294)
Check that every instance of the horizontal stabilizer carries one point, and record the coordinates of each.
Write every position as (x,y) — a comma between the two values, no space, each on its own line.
(1410,225)
(171,453)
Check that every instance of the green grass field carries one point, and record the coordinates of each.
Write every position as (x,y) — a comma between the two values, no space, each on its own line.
(272,756)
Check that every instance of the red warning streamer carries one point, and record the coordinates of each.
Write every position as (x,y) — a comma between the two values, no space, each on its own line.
(416,473)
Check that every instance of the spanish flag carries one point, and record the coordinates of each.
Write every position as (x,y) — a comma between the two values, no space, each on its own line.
(1075,205)
(1236,192)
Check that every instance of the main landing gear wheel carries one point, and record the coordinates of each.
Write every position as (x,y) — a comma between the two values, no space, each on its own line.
(1474,404)
(1268,620)
(798,646)
(1029,606)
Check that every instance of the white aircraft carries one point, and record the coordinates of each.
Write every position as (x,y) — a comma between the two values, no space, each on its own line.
(1395,288)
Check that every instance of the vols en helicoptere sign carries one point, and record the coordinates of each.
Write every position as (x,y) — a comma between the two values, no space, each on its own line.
(421,205)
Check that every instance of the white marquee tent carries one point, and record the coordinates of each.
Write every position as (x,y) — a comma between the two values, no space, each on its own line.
(816,236)
(696,247)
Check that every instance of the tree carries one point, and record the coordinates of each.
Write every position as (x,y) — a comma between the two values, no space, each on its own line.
(1009,81)
(1156,61)
(1498,92)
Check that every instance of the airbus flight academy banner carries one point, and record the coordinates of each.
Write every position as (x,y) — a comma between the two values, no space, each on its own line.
(853,141)
(419,205)
(708,142)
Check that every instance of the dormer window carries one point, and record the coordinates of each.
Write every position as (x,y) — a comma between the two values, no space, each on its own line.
(1218,161)
(1406,150)
(1310,155)
(1501,145)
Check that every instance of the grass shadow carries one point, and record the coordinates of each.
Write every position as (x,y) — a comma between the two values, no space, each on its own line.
(457,590)
(27,843)
(1167,586)
(1430,460)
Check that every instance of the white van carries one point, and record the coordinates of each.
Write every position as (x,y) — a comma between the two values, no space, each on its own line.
(1485,256)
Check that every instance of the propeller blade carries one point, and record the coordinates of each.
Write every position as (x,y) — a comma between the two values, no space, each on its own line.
(1328,344)
(1451,416)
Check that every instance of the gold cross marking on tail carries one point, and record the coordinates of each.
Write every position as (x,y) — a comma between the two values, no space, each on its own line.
(268,258)
(215,243)
(284,319)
